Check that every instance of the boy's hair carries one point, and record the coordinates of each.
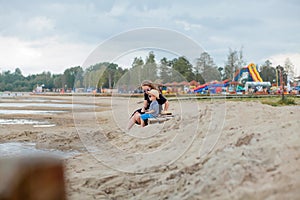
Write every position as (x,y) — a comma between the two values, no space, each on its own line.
(154,93)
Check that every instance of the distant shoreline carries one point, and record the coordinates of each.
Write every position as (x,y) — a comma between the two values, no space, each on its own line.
(170,96)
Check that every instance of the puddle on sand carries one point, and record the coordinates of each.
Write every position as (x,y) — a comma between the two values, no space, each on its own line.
(30,112)
(53,105)
(43,100)
(13,94)
(27,148)
(43,125)
(22,122)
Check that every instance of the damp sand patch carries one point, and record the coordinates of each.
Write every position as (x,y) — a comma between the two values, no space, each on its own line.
(10,149)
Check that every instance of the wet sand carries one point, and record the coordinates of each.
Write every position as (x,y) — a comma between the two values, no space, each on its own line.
(210,149)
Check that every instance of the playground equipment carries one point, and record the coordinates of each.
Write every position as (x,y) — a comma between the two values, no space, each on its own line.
(249,77)
(261,87)
(212,87)
(244,79)
(247,74)
(235,88)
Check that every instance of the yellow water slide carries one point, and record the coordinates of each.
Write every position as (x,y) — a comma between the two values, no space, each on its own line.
(254,73)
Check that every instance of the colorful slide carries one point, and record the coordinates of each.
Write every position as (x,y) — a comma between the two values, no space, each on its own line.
(254,73)
(248,73)
(201,88)
(213,87)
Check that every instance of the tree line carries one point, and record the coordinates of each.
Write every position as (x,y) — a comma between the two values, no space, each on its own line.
(109,75)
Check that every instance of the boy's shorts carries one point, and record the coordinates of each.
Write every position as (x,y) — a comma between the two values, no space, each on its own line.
(146,116)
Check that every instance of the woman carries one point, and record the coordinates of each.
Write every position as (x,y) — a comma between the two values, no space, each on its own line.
(135,117)
(147,86)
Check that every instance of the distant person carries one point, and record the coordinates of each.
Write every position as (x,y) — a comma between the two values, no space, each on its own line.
(153,111)
(147,86)
(162,101)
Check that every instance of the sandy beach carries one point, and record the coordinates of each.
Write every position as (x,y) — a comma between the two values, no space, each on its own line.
(210,149)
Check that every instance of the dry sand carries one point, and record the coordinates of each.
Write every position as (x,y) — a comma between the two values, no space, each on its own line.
(210,150)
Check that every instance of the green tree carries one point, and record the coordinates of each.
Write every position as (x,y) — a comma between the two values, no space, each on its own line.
(165,70)
(198,76)
(70,76)
(137,62)
(121,78)
(2,84)
(13,81)
(149,70)
(207,68)
(136,71)
(240,61)
(44,78)
(9,87)
(289,68)
(20,85)
(93,76)
(119,74)
(58,81)
(267,72)
(184,68)
(234,62)
(8,78)
(18,75)
(108,78)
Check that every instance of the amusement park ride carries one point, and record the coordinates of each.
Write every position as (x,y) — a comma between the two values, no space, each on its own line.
(245,80)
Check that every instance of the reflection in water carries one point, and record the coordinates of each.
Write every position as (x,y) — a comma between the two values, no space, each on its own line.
(54,105)
(43,100)
(30,112)
(26,148)
(22,121)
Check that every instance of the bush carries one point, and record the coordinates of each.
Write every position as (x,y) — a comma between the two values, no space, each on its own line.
(287,101)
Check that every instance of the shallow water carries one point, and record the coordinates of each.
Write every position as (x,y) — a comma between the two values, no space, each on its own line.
(22,121)
(30,112)
(54,105)
(27,148)
(13,94)
(41,100)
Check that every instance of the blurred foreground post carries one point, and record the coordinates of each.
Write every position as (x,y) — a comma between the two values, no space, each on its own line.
(34,177)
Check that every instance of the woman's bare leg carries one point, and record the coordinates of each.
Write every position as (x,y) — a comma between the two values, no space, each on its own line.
(133,119)
(166,106)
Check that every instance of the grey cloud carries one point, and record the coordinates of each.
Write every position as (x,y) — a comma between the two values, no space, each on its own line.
(262,27)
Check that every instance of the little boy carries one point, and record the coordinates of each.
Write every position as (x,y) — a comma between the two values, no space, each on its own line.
(154,107)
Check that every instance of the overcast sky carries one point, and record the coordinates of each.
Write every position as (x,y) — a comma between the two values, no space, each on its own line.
(53,35)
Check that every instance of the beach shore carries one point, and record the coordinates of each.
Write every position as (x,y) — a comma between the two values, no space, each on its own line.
(210,149)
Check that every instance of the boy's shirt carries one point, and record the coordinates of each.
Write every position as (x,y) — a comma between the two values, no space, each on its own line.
(154,106)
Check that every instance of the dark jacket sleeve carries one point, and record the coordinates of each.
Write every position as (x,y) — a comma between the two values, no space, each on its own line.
(161,99)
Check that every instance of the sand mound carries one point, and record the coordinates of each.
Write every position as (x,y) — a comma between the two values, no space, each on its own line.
(210,150)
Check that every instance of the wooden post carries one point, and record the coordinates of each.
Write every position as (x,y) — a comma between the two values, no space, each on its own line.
(35,177)
(282,84)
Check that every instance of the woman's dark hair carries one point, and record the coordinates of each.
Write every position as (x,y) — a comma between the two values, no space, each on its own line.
(149,84)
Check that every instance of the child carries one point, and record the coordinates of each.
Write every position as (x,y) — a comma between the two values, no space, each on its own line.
(154,107)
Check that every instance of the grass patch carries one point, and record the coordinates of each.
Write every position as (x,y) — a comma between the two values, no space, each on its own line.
(287,101)
(281,102)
